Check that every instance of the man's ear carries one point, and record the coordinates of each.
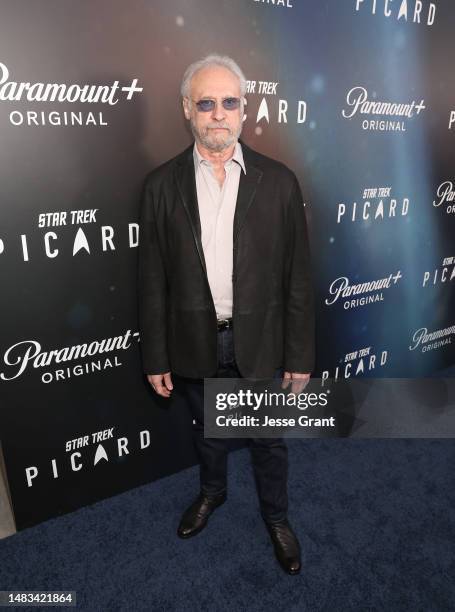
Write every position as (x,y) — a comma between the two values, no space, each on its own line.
(186,109)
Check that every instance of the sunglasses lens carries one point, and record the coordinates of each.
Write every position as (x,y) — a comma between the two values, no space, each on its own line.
(231,103)
(205,105)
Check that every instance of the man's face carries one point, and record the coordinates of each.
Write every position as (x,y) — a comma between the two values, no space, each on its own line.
(219,128)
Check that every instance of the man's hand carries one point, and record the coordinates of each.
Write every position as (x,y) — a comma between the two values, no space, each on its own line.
(161,383)
(299,381)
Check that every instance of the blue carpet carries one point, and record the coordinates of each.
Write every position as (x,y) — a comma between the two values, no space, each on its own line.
(375,519)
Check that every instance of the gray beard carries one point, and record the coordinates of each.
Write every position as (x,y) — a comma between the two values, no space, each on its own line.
(216,147)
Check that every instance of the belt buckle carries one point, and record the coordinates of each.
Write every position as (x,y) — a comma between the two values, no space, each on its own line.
(224,324)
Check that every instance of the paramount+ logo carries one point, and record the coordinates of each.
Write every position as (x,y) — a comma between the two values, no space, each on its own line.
(53,94)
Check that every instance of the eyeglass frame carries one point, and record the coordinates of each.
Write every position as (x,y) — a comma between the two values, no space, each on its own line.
(240,100)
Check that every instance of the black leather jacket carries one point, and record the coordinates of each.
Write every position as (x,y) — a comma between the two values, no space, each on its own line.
(273,304)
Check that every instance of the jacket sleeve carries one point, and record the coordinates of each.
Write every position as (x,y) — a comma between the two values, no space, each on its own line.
(299,323)
(152,290)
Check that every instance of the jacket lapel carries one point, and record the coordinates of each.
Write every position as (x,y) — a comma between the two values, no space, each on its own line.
(247,188)
(186,185)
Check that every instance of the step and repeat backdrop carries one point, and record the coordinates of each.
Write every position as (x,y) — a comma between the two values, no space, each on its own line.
(356,96)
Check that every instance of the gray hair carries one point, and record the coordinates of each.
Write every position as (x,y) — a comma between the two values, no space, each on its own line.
(212,60)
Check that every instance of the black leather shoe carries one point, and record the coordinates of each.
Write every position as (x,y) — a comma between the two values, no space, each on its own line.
(195,517)
(286,545)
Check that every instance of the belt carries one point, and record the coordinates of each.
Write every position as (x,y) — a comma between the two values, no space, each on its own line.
(224,324)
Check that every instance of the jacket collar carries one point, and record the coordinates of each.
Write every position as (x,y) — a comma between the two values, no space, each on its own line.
(186,186)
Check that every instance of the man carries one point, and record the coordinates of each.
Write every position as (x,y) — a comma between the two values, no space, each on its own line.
(224,284)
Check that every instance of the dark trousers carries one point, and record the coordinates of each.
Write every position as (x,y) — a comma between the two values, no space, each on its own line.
(269,455)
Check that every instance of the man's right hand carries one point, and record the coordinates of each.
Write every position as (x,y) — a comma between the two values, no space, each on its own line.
(161,383)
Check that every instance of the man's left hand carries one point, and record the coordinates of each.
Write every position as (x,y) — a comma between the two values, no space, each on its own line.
(298,381)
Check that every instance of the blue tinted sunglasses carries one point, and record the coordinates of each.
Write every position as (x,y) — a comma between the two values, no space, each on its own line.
(207,104)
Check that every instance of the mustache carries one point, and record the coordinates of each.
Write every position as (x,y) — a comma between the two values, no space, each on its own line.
(218,125)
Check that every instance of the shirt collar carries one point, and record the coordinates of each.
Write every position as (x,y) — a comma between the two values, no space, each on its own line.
(237,156)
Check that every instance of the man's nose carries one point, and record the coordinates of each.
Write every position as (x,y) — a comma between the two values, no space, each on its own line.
(218,111)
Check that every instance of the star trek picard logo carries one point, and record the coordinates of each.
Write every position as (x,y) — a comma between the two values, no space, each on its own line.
(407,11)
(86,453)
(55,94)
(357,363)
(442,275)
(65,238)
(375,205)
(267,106)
